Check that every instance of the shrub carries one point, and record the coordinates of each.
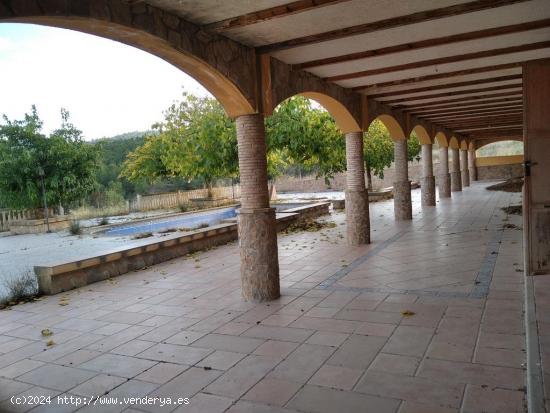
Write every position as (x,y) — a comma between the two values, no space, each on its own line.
(20,289)
(104,221)
(75,228)
(203,225)
(184,207)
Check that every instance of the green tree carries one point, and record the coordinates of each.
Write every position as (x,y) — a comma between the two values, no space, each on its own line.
(68,163)
(377,151)
(195,140)
(306,136)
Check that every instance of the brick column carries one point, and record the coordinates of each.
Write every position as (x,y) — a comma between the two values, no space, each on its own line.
(464,173)
(456,184)
(428,178)
(444,178)
(357,197)
(402,205)
(256,220)
(472,165)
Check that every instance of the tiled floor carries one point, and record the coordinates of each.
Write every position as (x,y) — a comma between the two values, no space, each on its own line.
(428,318)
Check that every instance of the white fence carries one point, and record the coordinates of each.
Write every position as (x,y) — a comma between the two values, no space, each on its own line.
(7,216)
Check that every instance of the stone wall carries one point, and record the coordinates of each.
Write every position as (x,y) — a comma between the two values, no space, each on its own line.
(499,172)
(311,184)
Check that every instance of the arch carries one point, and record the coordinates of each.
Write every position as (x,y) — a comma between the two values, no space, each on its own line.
(441,139)
(471,146)
(453,143)
(170,49)
(422,135)
(342,116)
(464,144)
(394,128)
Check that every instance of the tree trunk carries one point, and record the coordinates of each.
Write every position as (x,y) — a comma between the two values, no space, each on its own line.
(369,178)
(209,189)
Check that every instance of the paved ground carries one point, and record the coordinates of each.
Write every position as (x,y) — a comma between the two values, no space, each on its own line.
(428,318)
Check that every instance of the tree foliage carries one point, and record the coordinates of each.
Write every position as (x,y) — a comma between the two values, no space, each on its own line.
(68,163)
(195,140)
(378,150)
(306,136)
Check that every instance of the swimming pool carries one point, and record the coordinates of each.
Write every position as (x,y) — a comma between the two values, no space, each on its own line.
(189,221)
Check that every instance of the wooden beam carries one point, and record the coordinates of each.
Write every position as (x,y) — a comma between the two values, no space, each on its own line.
(484,119)
(443,86)
(503,122)
(464,101)
(399,21)
(512,126)
(468,109)
(271,13)
(454,93)
(442,60)
(460,112)
(422,44)
(438,76)
(479,115)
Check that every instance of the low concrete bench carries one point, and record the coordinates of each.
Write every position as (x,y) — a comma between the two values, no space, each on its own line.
(59,277)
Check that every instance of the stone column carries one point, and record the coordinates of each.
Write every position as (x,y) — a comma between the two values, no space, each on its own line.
(464,173)
(428,178)
(402,205)
(472,165)
(256,220)
(456,184)
(444,178)
(357,196)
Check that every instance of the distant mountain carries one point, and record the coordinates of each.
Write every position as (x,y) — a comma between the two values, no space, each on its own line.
(127,135)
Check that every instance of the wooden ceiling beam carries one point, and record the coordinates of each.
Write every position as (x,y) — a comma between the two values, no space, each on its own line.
(444,86)
(439,76)
(461,126)
(481,113)
(442,60)
(393,22)
(422,44)
(469,100)
(454,93)
(460,112)
(472,117)
(271,13)
(469,109)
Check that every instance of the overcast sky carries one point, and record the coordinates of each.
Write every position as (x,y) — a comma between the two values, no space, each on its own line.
(109,88)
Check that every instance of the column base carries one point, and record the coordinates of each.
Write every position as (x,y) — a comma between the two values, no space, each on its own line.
(428,191)
(357,217)
(259,255)
(402,204)
(444,185)
(465,178)
(456,183)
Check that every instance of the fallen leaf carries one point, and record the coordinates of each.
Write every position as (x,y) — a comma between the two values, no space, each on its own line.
(407,313)
(46,332)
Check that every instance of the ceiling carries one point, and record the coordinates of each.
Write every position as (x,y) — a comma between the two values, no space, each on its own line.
(455,63)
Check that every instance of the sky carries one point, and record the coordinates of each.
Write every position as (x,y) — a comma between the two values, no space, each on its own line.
(108,88)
